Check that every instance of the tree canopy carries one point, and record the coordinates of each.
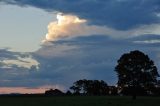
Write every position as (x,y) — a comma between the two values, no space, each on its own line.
(135,69)
(90,87)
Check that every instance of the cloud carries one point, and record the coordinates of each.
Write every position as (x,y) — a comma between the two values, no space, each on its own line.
(15,67)
(90,57)
(154,41)
(147,40)
(69,26)
(117,14)
(66,25)
(16,59)
(115,18)
(21,62)
(21,70)
(68,60)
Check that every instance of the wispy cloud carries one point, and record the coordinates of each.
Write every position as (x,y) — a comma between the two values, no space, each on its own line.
(24,60)
(20,62)
(154,41)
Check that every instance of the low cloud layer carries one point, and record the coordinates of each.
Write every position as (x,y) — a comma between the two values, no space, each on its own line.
(65,61)
(91,57)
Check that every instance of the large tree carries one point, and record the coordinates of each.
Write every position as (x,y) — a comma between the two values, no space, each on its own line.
(134,70)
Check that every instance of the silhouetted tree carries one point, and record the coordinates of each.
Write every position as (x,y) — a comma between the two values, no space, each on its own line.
(90,87)
(68,93)
(113,90)
(135,70)
(156,90)
(55,92)
(76,90)
(130,90)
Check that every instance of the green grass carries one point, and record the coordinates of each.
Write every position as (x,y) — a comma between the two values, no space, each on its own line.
(79,101)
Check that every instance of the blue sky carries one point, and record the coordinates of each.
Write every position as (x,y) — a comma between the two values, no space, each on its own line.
(52,43)
(22,28)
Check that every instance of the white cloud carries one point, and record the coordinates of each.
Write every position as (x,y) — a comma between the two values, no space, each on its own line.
(68,26)
(26,62)
(148,41)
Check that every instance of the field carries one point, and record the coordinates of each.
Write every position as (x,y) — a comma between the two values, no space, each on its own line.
(79,101)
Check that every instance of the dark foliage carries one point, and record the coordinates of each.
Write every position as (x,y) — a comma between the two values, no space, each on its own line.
(113,90)
(140,91)
(54,92)
(90,87)
(68,93)
(136,71)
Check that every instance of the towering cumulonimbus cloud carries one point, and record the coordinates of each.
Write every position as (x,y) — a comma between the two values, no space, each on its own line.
(66,25)
(69,26)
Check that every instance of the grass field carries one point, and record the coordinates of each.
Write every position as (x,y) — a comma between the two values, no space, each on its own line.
(79,101)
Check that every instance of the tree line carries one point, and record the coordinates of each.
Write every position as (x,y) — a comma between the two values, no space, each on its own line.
(137,75)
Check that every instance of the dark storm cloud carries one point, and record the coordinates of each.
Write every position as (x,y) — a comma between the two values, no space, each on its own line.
(4,53)
(65,61)
(118,14)
(13,75)
(92,57)
(150,40)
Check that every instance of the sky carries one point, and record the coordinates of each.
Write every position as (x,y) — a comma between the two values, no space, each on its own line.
(52,43)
